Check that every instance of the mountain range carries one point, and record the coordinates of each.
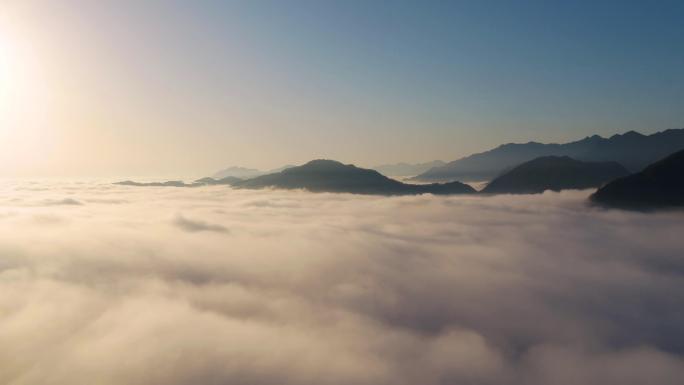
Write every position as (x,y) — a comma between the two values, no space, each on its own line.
(632,150)
(660,185)
(554,173)
(323,175)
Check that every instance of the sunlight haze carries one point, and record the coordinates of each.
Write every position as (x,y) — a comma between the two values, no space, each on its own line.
(179,88)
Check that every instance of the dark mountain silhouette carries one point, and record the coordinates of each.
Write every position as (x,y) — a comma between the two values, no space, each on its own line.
(632,150)
(555,173)
(660,185)
(407,169)
(325,176)
(331,176)
(245,173)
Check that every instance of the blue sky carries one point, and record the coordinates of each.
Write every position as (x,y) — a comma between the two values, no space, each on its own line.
(190,86)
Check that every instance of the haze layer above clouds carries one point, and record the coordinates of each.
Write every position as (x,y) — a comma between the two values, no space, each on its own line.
(117,285)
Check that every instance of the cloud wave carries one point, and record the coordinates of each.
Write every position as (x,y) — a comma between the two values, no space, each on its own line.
(196,225)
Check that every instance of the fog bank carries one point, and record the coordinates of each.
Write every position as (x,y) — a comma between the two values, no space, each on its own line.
(121,285)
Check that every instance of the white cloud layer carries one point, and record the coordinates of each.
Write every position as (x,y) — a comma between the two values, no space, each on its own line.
(106,284)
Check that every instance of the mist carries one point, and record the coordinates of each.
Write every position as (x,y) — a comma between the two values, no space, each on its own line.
(111,284)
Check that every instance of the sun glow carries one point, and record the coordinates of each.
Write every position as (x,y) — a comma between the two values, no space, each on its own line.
(23,117)
(8,91)
(6,75)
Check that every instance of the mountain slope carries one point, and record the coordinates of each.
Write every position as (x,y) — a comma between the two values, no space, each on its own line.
(632,150)
(407,169)
(660,185)
(554,173)
(331,176)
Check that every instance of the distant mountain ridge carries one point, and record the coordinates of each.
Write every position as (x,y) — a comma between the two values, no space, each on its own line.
(631,149)
(238,172)
(229,180)
(245,173)
(554,173)
(407,169)
(660,185)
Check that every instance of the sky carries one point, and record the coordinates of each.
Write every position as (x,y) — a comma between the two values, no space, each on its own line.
(176,88)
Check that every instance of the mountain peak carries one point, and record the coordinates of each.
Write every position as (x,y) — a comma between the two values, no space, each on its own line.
(322,165)
(555,173)
(323,162)
(629,135)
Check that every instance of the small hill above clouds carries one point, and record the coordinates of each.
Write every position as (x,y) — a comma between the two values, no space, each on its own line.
(172,183)
(632,150)
(407,169)
(331,176)
(229,180)
(554,173)
(660,185)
